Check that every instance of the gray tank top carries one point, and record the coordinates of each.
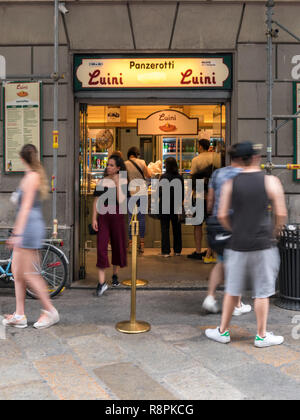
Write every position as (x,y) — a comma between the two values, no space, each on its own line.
(252,227)
(37,204)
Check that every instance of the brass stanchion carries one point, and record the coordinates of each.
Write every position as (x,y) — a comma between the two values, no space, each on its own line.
(133,326)
(139,282)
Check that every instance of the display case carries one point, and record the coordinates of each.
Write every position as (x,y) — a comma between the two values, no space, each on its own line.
(183,149)
(94,156)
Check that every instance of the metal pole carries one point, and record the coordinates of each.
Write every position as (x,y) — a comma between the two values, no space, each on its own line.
(55,119)
(133,326)
(270,83)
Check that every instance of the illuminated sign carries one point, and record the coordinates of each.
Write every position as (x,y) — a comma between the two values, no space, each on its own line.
(198,72)
(167,122)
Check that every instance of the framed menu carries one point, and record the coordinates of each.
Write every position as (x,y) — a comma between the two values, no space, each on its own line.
(22,121)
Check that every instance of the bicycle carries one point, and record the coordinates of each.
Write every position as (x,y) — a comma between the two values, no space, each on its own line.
(52,266)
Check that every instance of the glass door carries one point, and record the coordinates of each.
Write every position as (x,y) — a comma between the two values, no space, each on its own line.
(84,181)
(188,149)
(217,140)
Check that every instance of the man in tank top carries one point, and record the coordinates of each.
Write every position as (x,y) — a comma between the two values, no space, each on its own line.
(253,253)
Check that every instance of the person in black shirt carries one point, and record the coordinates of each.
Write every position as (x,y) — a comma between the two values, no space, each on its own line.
(175,209)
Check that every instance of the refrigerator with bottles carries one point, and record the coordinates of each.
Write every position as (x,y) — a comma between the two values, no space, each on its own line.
(183,149)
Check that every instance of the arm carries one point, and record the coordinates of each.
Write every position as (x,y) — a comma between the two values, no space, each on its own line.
(275,193)
(210,200)
(147,171)
(225,205)
(30,186)
(94,219)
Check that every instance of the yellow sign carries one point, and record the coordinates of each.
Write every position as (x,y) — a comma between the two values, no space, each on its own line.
(137,73)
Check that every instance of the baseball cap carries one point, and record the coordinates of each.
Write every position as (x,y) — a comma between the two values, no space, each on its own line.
(240,150)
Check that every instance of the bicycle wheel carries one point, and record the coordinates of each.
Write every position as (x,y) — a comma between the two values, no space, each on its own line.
(52,266)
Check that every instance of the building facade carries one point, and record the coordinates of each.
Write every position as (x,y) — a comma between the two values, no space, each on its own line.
(127,28)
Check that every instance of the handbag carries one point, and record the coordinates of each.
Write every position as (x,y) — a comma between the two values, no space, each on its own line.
(217,237)
(91,230)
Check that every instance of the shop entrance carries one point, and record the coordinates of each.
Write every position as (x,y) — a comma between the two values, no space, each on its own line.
(105,129)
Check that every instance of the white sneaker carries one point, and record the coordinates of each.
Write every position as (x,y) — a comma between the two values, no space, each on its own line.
(210,305)
(243,309)
(269,340)
(51,319)
(215,335)
(16,322)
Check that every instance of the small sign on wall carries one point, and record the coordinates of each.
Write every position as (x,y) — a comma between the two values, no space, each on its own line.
(2,67)
(297,130)
(22,121)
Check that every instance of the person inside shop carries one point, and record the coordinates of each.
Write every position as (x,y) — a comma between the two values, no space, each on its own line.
(171,174)
(137,169)
(203,166)
(109,223)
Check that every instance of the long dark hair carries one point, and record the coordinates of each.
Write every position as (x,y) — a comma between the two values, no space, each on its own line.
(119,163)
(171,166)
(29,154)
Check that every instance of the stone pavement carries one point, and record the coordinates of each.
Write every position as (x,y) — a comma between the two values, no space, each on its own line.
(84,357)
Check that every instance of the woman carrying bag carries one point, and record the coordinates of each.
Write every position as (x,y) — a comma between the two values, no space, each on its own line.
(110,225)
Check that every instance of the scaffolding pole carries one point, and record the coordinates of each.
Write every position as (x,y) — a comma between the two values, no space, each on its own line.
(55,120)
(273,33)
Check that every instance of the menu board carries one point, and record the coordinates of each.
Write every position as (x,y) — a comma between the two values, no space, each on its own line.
(297,129)
(22,121)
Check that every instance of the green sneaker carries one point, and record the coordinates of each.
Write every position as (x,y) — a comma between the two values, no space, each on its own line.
(269,340)
(215,335)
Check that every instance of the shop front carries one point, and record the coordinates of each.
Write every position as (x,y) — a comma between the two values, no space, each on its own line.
(161,104)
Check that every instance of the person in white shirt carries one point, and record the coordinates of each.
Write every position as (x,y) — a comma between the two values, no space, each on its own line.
(205,162)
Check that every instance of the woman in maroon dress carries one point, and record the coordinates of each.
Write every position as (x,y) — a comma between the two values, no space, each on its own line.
(109,223)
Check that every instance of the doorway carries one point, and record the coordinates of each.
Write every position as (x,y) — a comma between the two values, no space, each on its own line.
(105,129)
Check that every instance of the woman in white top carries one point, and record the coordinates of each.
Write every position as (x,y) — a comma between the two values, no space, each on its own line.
(137,169)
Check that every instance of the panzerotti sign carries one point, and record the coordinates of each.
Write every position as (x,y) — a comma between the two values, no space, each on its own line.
(155,72)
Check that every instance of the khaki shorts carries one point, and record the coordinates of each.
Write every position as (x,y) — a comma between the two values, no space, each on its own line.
(260,267)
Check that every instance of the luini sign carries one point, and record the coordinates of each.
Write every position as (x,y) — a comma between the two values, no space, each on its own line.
(2,67)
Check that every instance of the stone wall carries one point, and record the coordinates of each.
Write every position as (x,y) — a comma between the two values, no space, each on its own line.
(150,26)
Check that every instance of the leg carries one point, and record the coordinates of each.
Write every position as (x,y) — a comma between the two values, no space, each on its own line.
(177,237)
(261,307)
(229,304)
(101,275)
(165,235)
(216,278)
(20,284)
(142,227)
(198,238)
(102,246)
(118,240)
(30,260)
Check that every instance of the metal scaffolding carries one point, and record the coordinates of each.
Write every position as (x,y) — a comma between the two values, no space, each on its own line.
(272,33)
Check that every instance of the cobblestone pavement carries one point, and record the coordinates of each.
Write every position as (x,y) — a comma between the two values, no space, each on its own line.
(84,357)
